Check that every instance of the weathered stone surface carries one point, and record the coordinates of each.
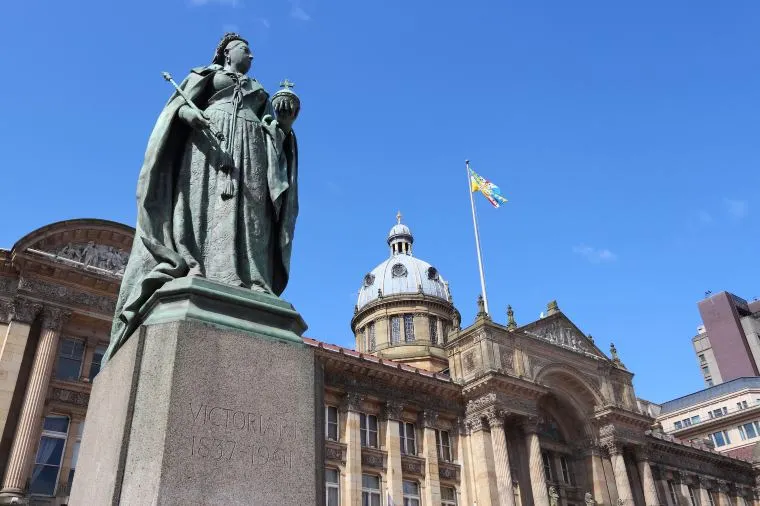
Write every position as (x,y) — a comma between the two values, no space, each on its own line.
(219,417)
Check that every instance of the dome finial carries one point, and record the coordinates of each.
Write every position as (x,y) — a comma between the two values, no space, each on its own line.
(398,218)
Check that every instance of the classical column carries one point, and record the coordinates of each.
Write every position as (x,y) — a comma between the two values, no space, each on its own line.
(394,476)
(536,463)
(647,480)
(704,493)
(501,457)
(351,406)
(465,461)
(622,484)
(21,314)
(429,421)
(29,426)
(683,480)
(486,492)
(597,480)
(723,498)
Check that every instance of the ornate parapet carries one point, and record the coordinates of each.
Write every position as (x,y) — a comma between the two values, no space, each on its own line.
(448,471)
(335,452)
(373,457)
(411,465)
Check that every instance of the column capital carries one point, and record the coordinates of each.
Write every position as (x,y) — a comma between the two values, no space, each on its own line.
(642,453)
(352,401)
(393,410)
(475,423)
(612,446)
(530,424)
(429,419)
(722,486)
(24,310)
(6,310)
(495,417)
(53,318)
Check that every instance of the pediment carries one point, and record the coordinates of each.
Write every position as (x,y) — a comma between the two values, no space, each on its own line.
(558,330)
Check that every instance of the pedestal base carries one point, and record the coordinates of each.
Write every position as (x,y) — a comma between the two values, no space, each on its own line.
(192,412)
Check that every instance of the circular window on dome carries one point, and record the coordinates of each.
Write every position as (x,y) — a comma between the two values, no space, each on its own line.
(432,273)
(398,271)
(369,279)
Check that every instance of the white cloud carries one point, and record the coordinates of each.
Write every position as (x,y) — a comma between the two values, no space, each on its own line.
(595,255)
(298,13)
(265,22)
(737,209)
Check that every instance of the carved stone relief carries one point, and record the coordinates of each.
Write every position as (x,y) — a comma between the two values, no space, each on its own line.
(68,296)
(561,334)
(96,255)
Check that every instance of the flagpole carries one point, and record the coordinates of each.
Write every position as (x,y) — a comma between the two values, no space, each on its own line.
(477,238)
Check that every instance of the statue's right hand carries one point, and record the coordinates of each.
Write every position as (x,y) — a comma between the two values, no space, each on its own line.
(194,118)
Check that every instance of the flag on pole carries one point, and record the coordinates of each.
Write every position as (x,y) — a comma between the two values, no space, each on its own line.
(487,188)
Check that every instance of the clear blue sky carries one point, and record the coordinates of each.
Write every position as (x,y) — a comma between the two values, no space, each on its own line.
(625,135)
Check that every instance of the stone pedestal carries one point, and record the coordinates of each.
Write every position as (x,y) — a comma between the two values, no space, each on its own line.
(214,400)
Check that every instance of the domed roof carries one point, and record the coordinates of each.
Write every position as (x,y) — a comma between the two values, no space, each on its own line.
(402,273)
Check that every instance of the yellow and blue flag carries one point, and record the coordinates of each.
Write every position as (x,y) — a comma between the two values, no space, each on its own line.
(487,188)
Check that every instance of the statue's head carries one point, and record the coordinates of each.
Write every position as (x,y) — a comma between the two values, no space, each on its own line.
(233,52)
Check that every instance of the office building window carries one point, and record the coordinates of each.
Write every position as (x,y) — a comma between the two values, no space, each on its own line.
(748,431)
(702,358)
(395,329)
(705,370)
(443,442)
(331,423)
(692,497)
(97,361)
(371,490)
(371,341)
(407,438)
(409,328)
(672,492)
(433,330)
(332,487)
(715,413)
(368,430)
(547,458)
(720,438)
(565,470)
(678,425)
(411,493)
(448,496)
(47,464)
(69,364)
(709,382)
(742,405)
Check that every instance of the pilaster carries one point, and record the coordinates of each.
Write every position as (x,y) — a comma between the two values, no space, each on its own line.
(647,479)
(622,483)
(29,424)
(501,457)
(394,477)
(486,493)
(351,406)
(537,475)
(429,423)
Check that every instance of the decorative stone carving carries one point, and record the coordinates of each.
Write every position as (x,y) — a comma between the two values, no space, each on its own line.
(495,417)
(68,296)
(507,360)
(372,458)
(6,310)
(96,255)
(553,496)
(589,499)
(70,396)
(475,424)
(352,401)
(7,285)
(393,410)
(411,465)
(369,279)
(469,361)
(429,419)
(481,403)
(333,453)
(398,271)
(560,333)
(53,318)
(25,311)
(432,273)
(448,471)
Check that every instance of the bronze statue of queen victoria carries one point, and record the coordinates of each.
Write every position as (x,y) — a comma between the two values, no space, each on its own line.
(222,207)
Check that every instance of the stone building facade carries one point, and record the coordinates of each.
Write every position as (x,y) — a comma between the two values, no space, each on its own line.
(424,411)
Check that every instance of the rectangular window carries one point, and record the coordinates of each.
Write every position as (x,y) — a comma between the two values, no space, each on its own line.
(672,492)
(687,422)
(409,328)
(565,470)
(70,354)
(546,457)
(720,438)
(695,419)
(395,329)
(709,383)
(331,423)
(678,425)
(448,496)
(411,493)
(371,341)
(443,442)
(371,490)
(702,358)
(749,428)
(705,370)
(97,361)
(692,497)
(433,330)
(332,487)
(368,430)
(407,438)
(47,464)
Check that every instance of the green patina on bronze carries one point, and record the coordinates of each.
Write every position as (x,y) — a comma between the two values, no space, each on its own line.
(226,214)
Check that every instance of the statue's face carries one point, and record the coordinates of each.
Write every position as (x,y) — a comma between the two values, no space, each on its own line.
(240,57)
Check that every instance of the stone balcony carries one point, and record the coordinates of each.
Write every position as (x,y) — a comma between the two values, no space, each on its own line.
(373,457)
(448,471)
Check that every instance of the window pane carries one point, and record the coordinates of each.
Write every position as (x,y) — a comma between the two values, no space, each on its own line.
(332,497)
(68,369)
(370,481)
(56,423)
(395,329)
(43,480)
(433,330)
(408,328)
(448,494)
(372,419)
(411,488)
(51,451)
(331,475)
(97,359)
(750,430)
